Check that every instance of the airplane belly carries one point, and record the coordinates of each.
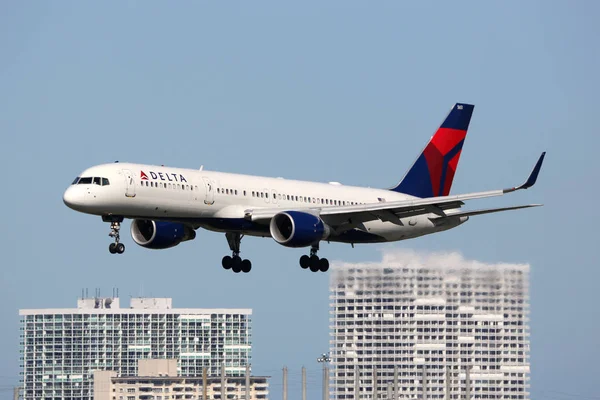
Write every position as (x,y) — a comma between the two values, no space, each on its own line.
(383,231)
(240,225)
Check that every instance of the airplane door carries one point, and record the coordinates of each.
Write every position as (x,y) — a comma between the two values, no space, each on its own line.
(129,183)
(209,187)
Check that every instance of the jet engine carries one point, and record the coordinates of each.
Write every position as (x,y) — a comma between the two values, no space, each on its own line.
(298,229)
(160,234)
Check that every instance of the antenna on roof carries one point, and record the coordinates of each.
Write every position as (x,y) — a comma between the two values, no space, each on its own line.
(201,168)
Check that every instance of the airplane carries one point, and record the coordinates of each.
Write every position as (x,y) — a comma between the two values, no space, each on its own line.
(167,205)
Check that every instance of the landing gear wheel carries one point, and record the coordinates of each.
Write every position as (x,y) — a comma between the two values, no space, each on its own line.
(304,261)
(314,263)
(227,262)
(323,265)
(237,264)
(246,266)
(115,227)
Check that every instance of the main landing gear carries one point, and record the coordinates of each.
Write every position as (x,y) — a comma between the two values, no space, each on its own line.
(234,262)
(313,261)
(115,225)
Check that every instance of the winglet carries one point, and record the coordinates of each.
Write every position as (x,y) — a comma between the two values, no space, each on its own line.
(532,177)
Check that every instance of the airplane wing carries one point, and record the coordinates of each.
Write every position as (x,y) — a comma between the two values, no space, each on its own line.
(393,211)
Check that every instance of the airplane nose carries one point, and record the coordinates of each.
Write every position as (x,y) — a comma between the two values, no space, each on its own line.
(72,197)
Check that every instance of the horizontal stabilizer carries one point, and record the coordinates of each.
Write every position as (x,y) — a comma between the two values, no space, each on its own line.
(488,211)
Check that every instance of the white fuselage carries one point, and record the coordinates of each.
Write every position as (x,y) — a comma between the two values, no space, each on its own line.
(218,201)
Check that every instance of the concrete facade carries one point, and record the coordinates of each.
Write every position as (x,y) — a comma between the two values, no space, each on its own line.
(431,318)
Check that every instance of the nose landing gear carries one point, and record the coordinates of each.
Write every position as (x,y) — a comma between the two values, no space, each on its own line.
(313,261)
(115,226)
(235,262)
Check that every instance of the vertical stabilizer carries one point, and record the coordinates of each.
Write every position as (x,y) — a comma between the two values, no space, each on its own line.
(432,174)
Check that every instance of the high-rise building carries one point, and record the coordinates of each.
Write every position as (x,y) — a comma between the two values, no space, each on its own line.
(449,327)
(61,348)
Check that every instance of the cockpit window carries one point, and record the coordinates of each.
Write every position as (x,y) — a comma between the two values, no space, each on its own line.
(95,180)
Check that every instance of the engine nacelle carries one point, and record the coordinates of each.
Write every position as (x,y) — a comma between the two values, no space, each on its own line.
(160,234)
(298,229)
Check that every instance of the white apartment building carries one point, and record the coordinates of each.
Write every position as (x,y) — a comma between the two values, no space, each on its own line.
(427,318)
(61,348)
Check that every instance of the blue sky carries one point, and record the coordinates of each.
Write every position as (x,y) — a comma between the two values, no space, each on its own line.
(342,91)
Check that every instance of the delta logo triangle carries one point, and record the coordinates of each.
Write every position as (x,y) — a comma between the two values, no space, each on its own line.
(143,176)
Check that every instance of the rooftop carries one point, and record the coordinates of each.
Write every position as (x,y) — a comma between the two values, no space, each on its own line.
(137,305)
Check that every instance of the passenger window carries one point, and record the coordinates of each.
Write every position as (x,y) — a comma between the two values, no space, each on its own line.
(236,192)
(192,187)
(182,187)
(262,194)
(244,193)
(274,196)
(288,196)
(105,182)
